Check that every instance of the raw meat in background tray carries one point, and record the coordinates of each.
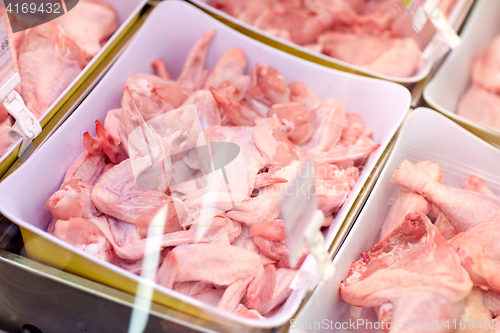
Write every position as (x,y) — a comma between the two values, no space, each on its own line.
(481,102)
(373,34)
(439,262)
(220,240)
(50,56)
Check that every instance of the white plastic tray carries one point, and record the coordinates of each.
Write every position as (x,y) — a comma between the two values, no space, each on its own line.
(383,105)
(422,72)
(450,83)
(427,135)
(126,11)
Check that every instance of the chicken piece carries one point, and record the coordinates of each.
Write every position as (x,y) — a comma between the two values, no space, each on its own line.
(273,143)
(475,313)
(415,269)
(72,200)
(90,165)
(245,241)
(123,232)
(207,107)
(222,265)
(252,157)
(268,87)
(229,66)
(486,67)
(301,94)
(236,113)
(218,229)
(161,69)
(193,74)
(89,24)
(4,139)
(479,250)
(464,209)
(282,290)
(409,202)
(244,312)
(140,248)
(330,121)
(333,192)
(115,152)
(48,62)
(355,129)
(153,95)
(398,57)
(86,236)
(350,155)
(118,195)
(441,222)
(265,206)
(481,107)
(475,183)
(278,251)
(272,230)
(113,123)
(259,294)
(297,122)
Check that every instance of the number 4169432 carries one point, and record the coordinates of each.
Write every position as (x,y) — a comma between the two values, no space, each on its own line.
(25,8)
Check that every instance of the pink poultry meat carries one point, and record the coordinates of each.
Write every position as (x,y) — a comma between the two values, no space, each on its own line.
(481,102)
(486,67)
(409,202)
(50,56)
(464,209)
(222,265)
(480,106)
(373,34)
(414,269)
(217,226)
(89,24)
(48,62)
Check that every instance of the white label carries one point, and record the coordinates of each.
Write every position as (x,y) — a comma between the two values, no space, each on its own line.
(298,207)
(6,62)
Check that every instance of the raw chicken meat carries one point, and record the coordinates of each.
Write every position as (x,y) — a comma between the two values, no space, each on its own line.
(481,107)
(89,24)
(160,170)
(50,56)
(48,62)
(374,34)
(397,274)
(415,269)
(486,67)
(481,102)
(409,202)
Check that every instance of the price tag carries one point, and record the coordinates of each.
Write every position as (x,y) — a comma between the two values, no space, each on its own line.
(303,220)
(298,207)
(422,11)
(7,68)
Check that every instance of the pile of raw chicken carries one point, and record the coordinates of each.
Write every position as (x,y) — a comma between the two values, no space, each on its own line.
(50,56)
(234,258)
(373,34)
(481,102)
(437,258)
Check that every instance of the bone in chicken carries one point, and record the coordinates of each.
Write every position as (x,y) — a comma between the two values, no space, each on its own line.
(415,269)
(464,209)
